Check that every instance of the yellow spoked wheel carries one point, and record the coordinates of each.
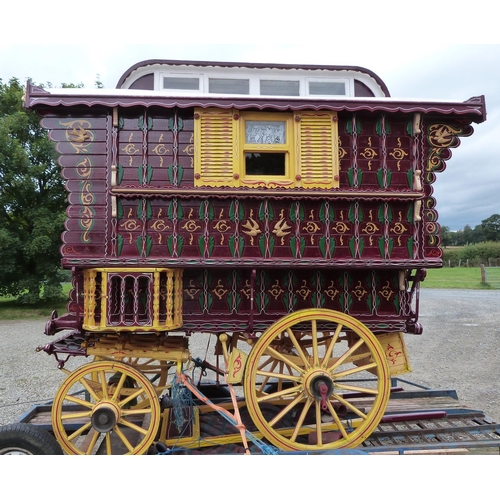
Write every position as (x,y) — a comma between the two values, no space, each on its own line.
(105,407)
(327,374)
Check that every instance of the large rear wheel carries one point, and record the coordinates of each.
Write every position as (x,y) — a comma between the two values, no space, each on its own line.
(328,374)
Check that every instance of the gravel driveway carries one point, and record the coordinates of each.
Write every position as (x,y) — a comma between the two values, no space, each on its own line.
(458,350)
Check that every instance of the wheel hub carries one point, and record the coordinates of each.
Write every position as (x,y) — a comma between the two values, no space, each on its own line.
(105,416)
(319,386)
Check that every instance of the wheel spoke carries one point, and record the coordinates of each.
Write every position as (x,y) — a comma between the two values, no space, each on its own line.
(265,381)
(286,410)
(88,386)
(79,431)
(298,347)
(354,388)
(278,355)
(352,371)
(79,401)
(336,419)
(76,415)
(109,448)
(93,441)
(119,387)
(331,345)
(344,356)
(276,395)
(349,405)
(133,426)
(300,421)
(123,438)
(132,396)
(314,335)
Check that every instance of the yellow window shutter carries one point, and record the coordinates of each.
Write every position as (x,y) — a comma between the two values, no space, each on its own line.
(215,147)
(317,141)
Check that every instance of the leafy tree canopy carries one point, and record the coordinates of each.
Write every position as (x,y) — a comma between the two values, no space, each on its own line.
(32,202)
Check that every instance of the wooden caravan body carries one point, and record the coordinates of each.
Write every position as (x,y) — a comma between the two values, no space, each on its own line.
(223,197)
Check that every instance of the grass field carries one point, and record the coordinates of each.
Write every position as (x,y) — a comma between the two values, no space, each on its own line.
(456,277)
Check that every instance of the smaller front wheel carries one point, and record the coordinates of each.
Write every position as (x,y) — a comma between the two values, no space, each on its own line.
(27,439)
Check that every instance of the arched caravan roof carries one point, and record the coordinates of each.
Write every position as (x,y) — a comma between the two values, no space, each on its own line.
(209,77)
(250,86)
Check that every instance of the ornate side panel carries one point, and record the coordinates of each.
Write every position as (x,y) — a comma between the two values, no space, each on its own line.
(215,298)
(83,142)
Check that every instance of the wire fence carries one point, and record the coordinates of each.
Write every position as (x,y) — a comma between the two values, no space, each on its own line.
(491,275)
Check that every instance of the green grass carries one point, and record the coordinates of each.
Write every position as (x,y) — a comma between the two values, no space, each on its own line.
(468,278)
(10,309)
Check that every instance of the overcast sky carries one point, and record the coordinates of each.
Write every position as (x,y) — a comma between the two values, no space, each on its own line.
(410,62)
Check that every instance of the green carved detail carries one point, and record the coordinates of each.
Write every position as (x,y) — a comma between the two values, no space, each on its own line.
(381,177)
(119,209)
(119,173)
(409,178)
(210,247)
(409,214)
(396,302)
(350,127)
(171,124)
(262,304)
(360,178)
(236,243)
(121,123)
(262,211)
(323,212)
(180,174)
(149,210)
(119,244)
(149,172)
(381,247)
(352,213)
(326,252)
(170,244)
(150,123)
(384,211)
(179,212)
(352,246)
(350,176)
(148,245)
(262,245)
(293,215)
(409,128)
(293,246)
(361,246)
(390,245)
(140,122)
(209,300)
(232,211)
(409,245)
(206,210)
(383,126)
(230,297)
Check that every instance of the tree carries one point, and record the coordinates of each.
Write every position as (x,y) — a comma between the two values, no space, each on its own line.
(446,236)
(491,228)
(32,202)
